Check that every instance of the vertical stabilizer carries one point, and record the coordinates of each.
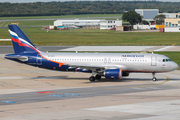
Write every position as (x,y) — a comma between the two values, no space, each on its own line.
(21,43)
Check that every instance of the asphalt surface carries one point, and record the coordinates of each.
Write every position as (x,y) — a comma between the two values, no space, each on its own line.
(42,96)
(27,93)
(9,49)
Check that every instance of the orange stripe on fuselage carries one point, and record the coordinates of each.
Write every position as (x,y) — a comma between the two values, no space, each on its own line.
(60,64)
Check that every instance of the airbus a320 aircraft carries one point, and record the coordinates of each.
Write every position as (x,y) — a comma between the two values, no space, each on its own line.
(109,65)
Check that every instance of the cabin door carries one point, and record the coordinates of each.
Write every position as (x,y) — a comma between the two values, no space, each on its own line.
(153,60)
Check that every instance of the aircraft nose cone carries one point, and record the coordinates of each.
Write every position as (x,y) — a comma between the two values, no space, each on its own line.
(175,66)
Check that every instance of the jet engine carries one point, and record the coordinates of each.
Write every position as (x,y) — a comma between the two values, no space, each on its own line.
(125,74)
(113,73)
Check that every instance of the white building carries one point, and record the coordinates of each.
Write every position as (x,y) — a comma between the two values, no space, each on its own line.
(169,15)
(144,27)
(172,29)
(76,22)
(108,24)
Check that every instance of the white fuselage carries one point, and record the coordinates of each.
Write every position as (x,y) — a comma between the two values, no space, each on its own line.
(132,62)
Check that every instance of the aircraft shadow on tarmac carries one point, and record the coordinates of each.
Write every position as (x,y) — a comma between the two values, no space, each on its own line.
(49,77)
(101,80)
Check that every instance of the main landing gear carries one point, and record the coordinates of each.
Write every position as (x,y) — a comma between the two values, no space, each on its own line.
(92,78)
(154,78)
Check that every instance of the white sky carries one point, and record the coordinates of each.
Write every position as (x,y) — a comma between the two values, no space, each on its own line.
(27,1)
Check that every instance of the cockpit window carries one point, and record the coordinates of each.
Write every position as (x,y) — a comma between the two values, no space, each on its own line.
(166,60)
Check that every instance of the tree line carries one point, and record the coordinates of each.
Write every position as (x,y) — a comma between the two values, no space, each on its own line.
(82,7)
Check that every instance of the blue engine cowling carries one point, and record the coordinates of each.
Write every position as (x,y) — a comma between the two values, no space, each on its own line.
(113,73)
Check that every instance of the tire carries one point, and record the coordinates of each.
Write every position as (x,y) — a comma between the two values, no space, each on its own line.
(92,79)
(98,77)
(154,79)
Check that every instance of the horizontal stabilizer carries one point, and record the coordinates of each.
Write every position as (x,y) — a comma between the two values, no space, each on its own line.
(19,57)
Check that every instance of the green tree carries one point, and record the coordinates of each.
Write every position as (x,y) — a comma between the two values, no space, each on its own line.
(159,19)
(132,17)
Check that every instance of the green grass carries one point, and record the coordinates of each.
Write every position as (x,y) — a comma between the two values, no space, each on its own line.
(28,23)
(94,37)
(51,22)
(62,16)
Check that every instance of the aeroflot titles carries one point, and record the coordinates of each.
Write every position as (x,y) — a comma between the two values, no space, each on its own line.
(132,55)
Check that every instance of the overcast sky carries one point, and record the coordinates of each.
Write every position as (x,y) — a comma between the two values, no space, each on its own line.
(27,1)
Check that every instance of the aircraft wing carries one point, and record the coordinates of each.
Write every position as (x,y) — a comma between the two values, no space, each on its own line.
(97,67)
(88,67)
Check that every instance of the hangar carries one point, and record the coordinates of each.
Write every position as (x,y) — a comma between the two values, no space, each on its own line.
(103,24)
(77,23)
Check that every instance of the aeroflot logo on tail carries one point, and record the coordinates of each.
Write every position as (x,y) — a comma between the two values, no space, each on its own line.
(15,38)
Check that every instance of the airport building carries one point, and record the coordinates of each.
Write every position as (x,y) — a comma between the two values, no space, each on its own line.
(92,24)
(169,15)
(172,24)
(110,24)
(147,14)
(77,23)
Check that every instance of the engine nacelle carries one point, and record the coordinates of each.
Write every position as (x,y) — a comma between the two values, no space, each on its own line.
(125,74)
(113,73)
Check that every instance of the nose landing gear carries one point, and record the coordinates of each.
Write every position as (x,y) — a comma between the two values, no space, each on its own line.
(154,78)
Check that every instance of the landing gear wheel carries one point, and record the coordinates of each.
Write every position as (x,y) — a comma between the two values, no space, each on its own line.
(154,79)
(98,77)
(92,79)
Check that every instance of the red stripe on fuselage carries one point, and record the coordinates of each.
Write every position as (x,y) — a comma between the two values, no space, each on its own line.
(22,44)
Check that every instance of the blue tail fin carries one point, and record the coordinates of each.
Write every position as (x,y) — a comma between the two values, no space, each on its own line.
(20,42)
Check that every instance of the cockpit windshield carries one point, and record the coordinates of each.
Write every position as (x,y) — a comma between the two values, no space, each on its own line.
(166,60)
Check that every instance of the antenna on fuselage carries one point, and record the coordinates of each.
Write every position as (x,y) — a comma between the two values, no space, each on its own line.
(151,51)
(76,51)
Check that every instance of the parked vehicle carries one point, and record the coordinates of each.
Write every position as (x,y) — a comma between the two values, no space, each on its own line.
(113,29)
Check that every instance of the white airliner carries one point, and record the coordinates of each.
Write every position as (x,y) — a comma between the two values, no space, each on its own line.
(109,65)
